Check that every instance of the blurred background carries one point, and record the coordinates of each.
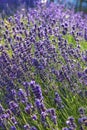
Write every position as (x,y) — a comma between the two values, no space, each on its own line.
(9,7)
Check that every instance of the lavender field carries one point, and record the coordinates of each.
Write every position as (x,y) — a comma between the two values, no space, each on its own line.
(43,69)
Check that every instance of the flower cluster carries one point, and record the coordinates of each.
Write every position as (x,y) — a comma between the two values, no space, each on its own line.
(71,124)
(43,69)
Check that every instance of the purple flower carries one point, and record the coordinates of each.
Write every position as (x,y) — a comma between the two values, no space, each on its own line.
(34,117)
(14,107)
(22,95)
(58,100)
(85,35)
(26,127)
(37,92)
(36,89)
(79,74)
(43,118)
(85,71)
(32,84)
(35,62)
(28,109)
(40,106)
(71,124)
(13,128)
(65,128)
(14,120)
(81,111)
(26,85)
(33,128)
(82,120)
(52,115)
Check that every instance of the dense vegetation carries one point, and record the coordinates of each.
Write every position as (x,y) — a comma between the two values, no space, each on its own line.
(9,7)
(43,70)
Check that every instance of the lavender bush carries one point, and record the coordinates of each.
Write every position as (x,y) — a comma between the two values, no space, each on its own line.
(43,70)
